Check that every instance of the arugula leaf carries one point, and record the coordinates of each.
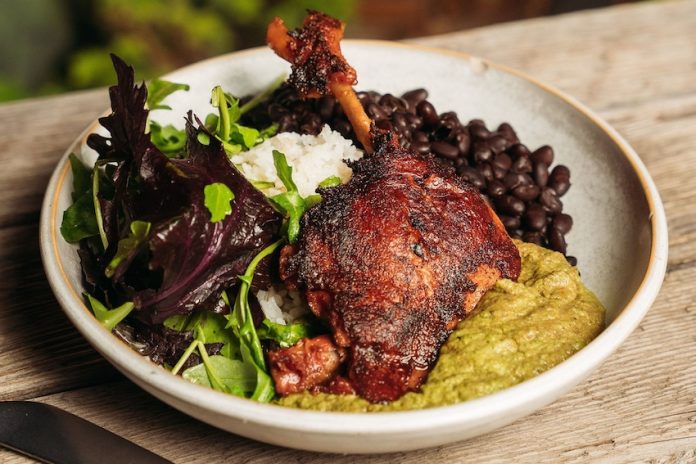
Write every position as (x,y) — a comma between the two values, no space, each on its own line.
(232,375)
(168,139)
(228,110)
(109,317)
(246,136)
(79,220)
(159,89)
(262,184)
(207,327)
(284,170)
(259,97)
(291,202)
(241,322)
(234,137)
(284,335)
(129,246)
(82,177)
(268,132)
(217,199)
(331,181)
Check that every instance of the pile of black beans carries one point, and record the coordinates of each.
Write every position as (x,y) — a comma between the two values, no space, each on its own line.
(521,185)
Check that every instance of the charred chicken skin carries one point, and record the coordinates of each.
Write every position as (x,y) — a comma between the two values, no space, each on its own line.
(391,261)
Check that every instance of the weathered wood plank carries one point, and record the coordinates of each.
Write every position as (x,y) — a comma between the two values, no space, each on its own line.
(34,135)
(605,57)
(40,351)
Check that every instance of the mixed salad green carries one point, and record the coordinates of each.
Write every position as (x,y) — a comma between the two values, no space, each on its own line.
(174,240)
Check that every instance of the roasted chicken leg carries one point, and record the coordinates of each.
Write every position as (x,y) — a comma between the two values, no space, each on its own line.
(391,261)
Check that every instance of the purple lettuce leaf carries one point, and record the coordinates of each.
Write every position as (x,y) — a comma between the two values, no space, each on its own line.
(199,258)
(193,259)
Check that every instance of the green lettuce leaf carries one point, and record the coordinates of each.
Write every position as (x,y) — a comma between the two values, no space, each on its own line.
(158,90)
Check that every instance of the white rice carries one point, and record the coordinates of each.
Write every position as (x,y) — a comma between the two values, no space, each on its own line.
(313,159)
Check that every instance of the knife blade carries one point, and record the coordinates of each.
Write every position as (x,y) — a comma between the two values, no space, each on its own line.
(52,435)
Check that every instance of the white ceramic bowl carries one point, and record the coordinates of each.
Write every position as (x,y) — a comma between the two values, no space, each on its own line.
(619,237)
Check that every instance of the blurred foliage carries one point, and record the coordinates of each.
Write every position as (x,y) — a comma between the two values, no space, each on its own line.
(155,36)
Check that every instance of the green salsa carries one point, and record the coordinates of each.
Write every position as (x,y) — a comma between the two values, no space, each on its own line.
(519,330)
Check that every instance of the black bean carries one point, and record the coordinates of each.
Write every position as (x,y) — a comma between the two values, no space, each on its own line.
(414,121)
(559,179)
(399,120)
(447,127)
(526,179)
(535,217)
(276,111)
(326,107)
(420,147)
(499,173)
(543,155)
(522,164)
(560,171)
(385,124)
(419,136)
(526,192)
(516,234)
(343,127)
(572,260)
(473,176)
(507,204)
(557,241)
(375,112)
(533,237)
(549,200)
(562,222)
(495,188)
(540,173)
(463,141)
(406,133)
(486,170)
(393,103)
(452,116)
(478,130)
(518,150)
(415,96)
(497,143)
(445,150)
(426,110)
(482,152)
(364,98)
(510,222)
(508,132)
(460,162)
(512,180)
(503,161)
(285,123)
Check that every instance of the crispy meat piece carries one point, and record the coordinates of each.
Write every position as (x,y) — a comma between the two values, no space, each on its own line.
(309,363)
(393,260)
(318,66)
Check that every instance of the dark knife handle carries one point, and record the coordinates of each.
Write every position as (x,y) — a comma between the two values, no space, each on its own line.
(55,436)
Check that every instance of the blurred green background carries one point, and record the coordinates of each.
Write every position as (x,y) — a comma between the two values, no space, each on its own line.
(52,46)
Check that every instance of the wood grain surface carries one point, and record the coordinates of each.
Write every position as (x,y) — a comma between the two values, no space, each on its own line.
(634,64)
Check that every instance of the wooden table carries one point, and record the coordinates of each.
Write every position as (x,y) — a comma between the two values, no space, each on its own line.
(635,65)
